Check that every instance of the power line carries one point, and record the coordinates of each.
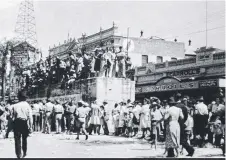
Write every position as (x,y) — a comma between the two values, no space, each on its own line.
(200,31)
(214,17)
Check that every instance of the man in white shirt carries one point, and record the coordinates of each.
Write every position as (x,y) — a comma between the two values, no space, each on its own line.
(58,110)
(81,113)
(48,116)
(22,115)
(202,119)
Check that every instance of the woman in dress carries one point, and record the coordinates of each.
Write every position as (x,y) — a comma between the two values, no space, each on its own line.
(95,118)
(145,118)
(172,128)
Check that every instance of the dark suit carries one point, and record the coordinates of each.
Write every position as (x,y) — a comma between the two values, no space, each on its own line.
(183,137)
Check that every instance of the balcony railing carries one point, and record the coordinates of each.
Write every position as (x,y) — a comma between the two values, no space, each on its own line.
(160,65)
(219,56)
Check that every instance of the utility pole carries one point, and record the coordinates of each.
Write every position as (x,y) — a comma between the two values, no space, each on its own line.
(206,24)
(127,46)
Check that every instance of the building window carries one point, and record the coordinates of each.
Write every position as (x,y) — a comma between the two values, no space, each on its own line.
(159,59)
(173,59)
(144,59)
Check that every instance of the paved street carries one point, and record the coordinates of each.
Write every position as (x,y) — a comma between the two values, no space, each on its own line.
(60,146)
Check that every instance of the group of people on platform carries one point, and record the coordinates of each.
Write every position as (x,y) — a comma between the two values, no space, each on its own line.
(108,62)
(177,121)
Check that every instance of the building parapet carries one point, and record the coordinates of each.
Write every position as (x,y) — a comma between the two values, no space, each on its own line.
(199,60)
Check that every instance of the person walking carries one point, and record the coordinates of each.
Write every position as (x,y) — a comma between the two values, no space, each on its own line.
(81,113)
(22,116)
(70,117)
(183,136)
(173,128)
(58,111)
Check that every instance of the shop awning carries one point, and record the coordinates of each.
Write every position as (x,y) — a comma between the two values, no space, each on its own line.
(172,84)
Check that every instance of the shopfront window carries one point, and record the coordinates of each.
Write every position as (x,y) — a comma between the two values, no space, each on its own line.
(144,59)
(159,59)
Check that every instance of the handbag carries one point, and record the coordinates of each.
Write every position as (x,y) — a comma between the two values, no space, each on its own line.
(135,121)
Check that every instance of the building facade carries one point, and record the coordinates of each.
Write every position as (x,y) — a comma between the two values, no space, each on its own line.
(22,56)
(140,50)
(61,51)
(201,75)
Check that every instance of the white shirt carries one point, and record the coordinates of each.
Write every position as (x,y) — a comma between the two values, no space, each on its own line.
(156,115)
(36,108)
(58,108)
(49,107)
(22,110)
(81,112)
(202,109)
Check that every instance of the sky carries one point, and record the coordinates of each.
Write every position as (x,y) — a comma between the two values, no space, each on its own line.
(183,20)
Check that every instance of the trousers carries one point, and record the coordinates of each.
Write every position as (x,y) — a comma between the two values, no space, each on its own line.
(58,122)
(20,130)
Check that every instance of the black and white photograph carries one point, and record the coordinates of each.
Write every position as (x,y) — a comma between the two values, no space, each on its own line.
(112,79)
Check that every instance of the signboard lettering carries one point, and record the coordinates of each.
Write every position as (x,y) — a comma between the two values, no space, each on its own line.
(208,83)
(168,87)
(184,73)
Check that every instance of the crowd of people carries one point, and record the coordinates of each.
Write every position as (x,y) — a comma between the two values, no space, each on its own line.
(180,122)
(108,62)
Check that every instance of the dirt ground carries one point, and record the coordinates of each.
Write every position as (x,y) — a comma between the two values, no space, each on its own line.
(65,146)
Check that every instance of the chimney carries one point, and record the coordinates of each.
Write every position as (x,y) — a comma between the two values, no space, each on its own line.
(175,40)
(189,42)
(141,33)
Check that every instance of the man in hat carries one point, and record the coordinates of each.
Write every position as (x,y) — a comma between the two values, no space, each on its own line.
(22,115)
(81,113)
(202,119)
(58,111)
